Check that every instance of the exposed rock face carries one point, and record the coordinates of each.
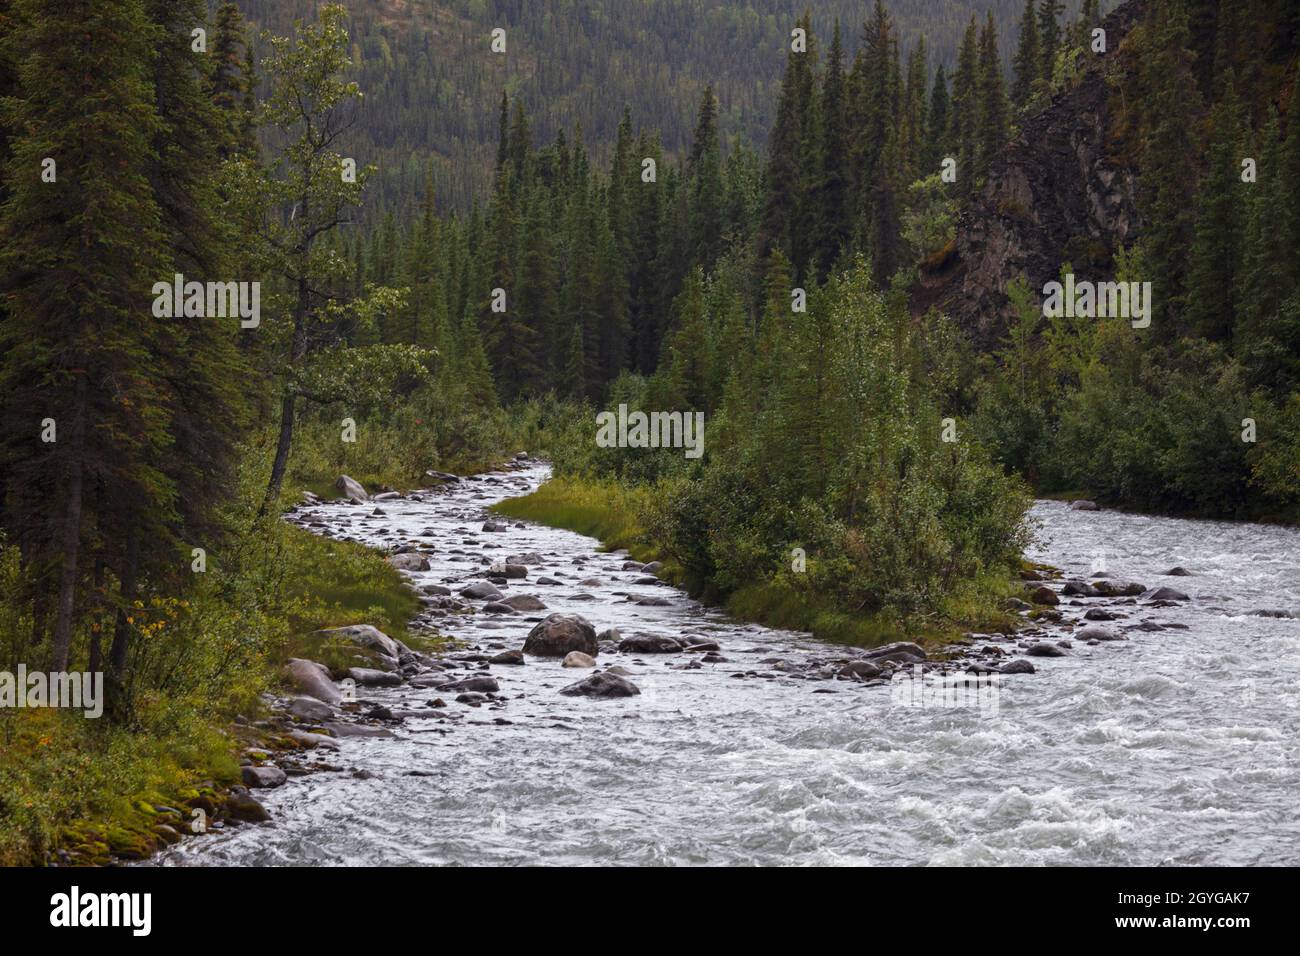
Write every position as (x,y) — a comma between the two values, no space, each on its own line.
(1055,194)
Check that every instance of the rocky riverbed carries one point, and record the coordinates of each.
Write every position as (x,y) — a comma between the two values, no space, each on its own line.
(588,712)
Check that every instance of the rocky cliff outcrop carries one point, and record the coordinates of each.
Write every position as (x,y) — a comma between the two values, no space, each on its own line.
(1060,191)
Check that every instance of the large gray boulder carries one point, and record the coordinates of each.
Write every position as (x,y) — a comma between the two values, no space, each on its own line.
(351,489)
(312,679)
(559,634)
(364,635)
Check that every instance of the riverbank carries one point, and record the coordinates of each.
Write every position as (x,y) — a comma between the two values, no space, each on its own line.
(88,792)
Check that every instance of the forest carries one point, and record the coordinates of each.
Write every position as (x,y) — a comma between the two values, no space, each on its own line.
(502,249)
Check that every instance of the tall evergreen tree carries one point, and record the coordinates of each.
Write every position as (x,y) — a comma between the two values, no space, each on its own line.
(993,129)
(1049,36)
(1027,62)
(966,106)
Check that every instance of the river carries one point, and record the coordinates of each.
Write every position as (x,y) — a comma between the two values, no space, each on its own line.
(1172,746)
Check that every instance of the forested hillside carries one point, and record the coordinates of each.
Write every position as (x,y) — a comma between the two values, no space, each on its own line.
(432,84)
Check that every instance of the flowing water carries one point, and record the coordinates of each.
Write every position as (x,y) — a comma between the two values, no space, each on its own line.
(1174,746)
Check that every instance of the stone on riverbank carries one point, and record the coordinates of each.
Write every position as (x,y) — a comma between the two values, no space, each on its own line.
(264,777)
(307,708)
(369,677)
(351,489)
(1044,595)
(241,805)
(312,679)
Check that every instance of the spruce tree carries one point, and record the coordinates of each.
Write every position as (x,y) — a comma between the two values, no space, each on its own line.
(1049,37)
(966,106)
(704,170)
(992,100)
(937,142)
(1027,62)
(835,185)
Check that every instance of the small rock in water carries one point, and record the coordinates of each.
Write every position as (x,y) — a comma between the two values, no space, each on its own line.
(482,591)
(578,659)
(1084,505)
(1166,594)
(1178,572)
(863,669)
(1096,633)
(650,644)
(482,685)
(1044,649)
(1018,666)
(508,657)
(602,684)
